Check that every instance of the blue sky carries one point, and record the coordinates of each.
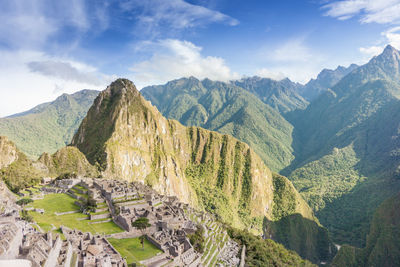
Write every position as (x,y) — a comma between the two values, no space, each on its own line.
(52,47)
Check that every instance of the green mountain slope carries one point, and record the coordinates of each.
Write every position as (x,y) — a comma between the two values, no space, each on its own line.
(19,172)
(128,138)
(227,109)
(265,252)
(282,95)
(325,80)
(346,147)
(383,241)
(50,126)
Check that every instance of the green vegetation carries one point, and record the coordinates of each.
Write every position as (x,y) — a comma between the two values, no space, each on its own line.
(24,201)
(141,224)
(26,216)
(382,246)
(63,203)
(131,249)
(326,79)
(67,162)
(232,110)
(47,127)
(306,237)
(214,172)
(197,240)
(21,174)
(347,153)
(260,252)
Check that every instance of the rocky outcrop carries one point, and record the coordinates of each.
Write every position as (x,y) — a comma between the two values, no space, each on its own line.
(8,152)
(67,160)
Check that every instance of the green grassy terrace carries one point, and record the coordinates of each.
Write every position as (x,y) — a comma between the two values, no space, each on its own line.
(62,203)
(131,249)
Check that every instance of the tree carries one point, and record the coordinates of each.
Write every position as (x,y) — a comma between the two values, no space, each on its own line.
(141,224)
(24,201)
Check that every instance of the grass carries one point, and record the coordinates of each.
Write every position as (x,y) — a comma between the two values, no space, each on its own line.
(131,249)
(62,203)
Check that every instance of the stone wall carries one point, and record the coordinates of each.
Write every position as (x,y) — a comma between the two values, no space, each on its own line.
(99,216)
(154,242)
(52,258)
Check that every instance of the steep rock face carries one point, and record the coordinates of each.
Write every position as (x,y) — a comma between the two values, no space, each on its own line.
(8,152)
(127,138)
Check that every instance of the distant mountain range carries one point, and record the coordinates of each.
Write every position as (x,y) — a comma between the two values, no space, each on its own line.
(49,126)
(324,81)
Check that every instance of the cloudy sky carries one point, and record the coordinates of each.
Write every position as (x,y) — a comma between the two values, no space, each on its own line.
(52,47)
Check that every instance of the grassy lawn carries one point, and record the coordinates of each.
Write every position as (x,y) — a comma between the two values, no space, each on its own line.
(132,249)
(61,203)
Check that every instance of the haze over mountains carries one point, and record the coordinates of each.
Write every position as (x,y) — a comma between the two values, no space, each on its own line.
(336,138)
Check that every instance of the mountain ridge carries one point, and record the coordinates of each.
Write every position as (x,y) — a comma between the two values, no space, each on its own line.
(49,126)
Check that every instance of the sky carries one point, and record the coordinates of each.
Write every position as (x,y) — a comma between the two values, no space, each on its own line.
(52,47)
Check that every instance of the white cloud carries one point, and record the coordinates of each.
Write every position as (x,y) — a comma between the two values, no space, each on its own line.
(292,59)
(30,24)
(174,14)
(21,89)
(67,72)
(292,50)
(173,59)
(391,36)
(378,11)
(266,73)
(371,50)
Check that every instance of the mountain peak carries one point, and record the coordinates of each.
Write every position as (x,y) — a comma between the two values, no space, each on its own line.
(389,50)
(121,85)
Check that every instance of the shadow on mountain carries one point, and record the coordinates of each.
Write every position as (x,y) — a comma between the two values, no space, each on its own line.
(309,239)
(357,159)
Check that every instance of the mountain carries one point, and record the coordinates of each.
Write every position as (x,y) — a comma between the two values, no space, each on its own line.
(281,95)
(67,160)
(326,79)
(50,126)
(16,169)
(383,246)
(227,109)
(347,147)
(127,138)
(20,172)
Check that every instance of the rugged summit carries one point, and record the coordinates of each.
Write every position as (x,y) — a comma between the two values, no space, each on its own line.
(325,80)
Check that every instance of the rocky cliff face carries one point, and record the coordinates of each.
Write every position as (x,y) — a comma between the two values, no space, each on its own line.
(8,152)
(127,138)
